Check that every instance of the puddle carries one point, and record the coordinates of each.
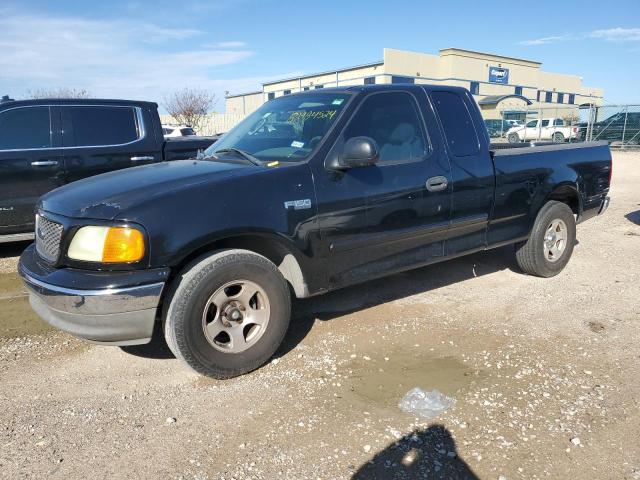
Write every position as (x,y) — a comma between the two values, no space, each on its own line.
(384,383)
(16,316)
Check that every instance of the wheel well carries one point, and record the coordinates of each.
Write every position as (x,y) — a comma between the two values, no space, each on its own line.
(569,196)
(274,251)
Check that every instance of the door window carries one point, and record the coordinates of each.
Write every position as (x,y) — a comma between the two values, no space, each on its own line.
(532,124)
(393,121)
(25,128)
(558,122)
(456,121)
(101,126)
(545,123)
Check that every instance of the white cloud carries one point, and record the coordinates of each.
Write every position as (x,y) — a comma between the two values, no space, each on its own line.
(232,44)
(119,58)
(546,40)
(617,34)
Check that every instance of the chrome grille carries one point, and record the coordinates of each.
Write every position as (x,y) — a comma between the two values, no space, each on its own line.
(48,235)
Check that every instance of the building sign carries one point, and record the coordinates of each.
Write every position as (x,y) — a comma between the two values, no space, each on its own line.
(498,75)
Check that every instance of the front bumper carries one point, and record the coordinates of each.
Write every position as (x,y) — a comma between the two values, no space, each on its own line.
(117,310)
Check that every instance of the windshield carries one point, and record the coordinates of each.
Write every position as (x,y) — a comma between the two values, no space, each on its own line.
(285,129)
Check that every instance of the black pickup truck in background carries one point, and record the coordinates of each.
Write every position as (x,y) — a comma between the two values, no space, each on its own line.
(311,192)
(48,143)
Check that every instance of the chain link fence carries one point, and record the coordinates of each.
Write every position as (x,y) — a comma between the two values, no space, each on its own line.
(617,124)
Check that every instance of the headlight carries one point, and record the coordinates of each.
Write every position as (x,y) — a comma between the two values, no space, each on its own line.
(107,245)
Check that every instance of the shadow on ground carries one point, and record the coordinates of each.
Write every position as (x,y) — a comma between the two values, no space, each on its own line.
(366,295)
(429,453)
(633,217)
(370,294)
(157,349)
(13,249)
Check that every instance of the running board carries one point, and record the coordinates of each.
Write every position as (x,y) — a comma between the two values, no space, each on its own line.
(16,237)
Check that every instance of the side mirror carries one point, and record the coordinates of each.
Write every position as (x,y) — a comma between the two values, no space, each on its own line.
(358,152)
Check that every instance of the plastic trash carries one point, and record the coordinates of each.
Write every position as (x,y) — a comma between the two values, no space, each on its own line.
(425,404)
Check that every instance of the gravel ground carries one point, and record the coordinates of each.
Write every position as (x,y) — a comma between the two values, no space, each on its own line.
(544,373)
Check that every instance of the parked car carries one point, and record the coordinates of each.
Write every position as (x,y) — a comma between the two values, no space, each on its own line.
(497,128)
(170,131)
(552,129)
(45,144)
(372,180)
(616,128)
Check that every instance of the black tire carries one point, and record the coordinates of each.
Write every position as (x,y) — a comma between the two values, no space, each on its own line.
(558,137)
(190,294)
(532,256)
(513,138)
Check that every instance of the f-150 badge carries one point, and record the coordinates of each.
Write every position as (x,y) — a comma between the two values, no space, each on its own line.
(298,204)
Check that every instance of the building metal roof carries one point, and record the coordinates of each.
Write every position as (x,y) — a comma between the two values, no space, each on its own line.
(494,99)
(244,94)
(340,70)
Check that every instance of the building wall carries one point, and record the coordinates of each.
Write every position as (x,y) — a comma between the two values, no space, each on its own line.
(244,104)
(452,66)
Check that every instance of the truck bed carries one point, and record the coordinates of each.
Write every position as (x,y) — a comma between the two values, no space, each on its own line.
(186,147)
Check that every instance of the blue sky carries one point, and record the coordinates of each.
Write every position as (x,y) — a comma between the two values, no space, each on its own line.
(146,50)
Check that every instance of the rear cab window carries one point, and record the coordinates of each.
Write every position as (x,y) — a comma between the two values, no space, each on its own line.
(459,130)
(100,125)
(25,128)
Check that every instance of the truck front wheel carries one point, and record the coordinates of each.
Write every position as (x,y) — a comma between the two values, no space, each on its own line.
(227,313)
(551,243)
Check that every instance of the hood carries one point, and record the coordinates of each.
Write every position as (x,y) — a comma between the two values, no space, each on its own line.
(106,196)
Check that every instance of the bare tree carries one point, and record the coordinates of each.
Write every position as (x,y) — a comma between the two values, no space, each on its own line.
(190,106)
(60,92)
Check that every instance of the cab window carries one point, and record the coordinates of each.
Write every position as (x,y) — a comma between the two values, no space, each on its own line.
(393,121)
(25,128)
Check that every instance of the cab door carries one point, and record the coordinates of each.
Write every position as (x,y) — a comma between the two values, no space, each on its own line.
(392,215)
(30,163)
(102,138)
(531,130)
(472,174)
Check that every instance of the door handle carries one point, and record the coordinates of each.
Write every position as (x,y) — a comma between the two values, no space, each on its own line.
(437,184)
(141,159)
(44,163)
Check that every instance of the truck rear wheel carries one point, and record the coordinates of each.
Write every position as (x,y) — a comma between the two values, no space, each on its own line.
(513,138)
(558,137)
(227,313)
(551,243)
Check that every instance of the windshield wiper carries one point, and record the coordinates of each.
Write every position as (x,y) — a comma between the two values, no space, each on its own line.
(242,153)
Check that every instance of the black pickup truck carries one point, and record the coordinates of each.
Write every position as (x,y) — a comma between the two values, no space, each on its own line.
(312,192)
(48,143)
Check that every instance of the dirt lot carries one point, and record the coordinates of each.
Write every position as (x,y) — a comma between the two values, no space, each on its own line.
(544,373)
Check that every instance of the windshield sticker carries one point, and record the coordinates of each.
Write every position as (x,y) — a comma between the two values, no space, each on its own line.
(307,114)
(337,101)
(297,144)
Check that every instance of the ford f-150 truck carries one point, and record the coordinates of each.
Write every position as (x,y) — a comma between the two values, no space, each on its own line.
(312,192)
(47,143)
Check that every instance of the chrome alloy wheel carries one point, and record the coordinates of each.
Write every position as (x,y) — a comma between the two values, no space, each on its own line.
(555,240)
(236,316)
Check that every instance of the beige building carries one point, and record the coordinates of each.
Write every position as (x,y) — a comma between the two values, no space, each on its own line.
(501,85)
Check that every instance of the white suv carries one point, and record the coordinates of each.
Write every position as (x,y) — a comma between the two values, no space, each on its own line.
(177,131)
(546,129)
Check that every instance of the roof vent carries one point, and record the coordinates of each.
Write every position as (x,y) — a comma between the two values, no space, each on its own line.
(5,98)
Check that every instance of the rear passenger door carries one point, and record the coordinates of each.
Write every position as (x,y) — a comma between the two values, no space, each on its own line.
(30,163)
(472,173)
(101,138)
